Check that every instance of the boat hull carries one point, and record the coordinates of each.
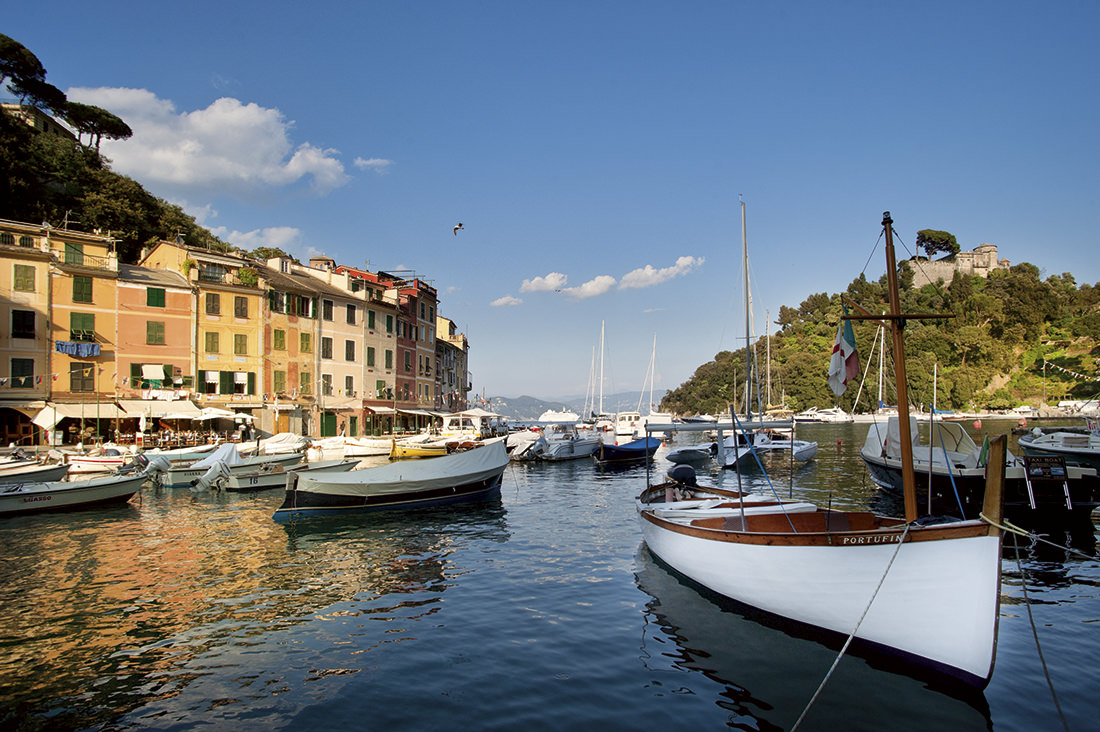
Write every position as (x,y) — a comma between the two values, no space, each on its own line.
(942,620)
(473,475)
(181,476)
(34,472)
(266,480)
(56,495)
(635,451)
(969,485)
(1086,457)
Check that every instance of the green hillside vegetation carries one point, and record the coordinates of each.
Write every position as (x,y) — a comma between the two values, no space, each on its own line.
(989,356)
(49,178)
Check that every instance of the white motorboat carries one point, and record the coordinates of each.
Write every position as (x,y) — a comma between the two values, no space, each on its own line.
(32,470)
(32,496)
(926,592)
(274,475)
(832,415)
(1076,447)
(470,475)
(562,442)
(767,441)
(226,455)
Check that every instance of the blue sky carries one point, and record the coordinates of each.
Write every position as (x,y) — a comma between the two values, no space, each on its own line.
(595,151)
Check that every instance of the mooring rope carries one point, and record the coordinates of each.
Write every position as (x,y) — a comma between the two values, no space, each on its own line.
(852,635)
(1035,633)
(1011,528)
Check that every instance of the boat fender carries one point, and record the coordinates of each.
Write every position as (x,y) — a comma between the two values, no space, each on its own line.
(683,474)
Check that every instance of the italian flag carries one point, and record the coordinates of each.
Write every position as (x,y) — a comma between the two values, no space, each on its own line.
(844,365)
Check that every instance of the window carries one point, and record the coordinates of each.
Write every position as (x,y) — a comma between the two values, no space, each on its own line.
(389,324)
(349,385)
(22,324)
(408,361)
(240,382)
(349,351)
(389,359)
(421,311)
(326,347)
(370,355)
(305,379)
(370,320)
(351,314)
(154,333)
(380,387)
(279,381)
(213,303)
(74,253)
(240,307)
(154,297)
(326,309)
(240,344)
(82,327)
(276,301)
(24,278)
(212,344)
(81,377)
(26,241)
(82,289)
(278,340)
(306,344)
(326,384)
(22,373)
(8,238)
(209,381)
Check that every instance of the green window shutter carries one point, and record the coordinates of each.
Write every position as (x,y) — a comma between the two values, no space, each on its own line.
(225,382)
(154,332)
(82,288)
(154,297)
(201,382)
(24,278)
(251,382)
(370,355)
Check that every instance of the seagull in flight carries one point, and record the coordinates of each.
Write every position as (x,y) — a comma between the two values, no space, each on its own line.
(457,228)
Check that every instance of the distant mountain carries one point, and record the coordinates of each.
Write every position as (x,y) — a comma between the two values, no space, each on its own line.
(529,408)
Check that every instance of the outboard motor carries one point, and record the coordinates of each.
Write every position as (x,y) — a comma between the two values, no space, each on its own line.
(684,475)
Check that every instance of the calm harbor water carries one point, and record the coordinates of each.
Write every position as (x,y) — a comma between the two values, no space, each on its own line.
(543,610)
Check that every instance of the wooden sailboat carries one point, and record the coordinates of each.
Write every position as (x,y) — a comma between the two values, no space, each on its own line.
(921,591)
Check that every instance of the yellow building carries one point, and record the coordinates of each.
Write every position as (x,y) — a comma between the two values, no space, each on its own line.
(229,342)
(83,314)
(25,341)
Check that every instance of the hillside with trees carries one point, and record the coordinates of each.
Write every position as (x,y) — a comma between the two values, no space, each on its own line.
(989,355)
(63,181)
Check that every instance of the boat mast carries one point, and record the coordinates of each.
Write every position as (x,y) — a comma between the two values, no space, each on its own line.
(768,356)
(601,366)
(897,324)
(748,319)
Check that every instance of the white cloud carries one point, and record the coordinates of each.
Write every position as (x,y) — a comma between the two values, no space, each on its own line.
(286,238)
(595,286)
(648,275)
(228,147)
(378,165)
(506,301)
(549,283)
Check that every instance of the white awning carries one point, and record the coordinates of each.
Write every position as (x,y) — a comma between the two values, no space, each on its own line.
(55,412)
(157,408)
(382,410)
(152,372)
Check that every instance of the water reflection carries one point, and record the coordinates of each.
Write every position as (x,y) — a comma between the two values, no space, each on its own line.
(143,601)
(766,675)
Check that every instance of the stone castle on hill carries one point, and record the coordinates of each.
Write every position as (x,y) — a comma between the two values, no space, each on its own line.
(980,262)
